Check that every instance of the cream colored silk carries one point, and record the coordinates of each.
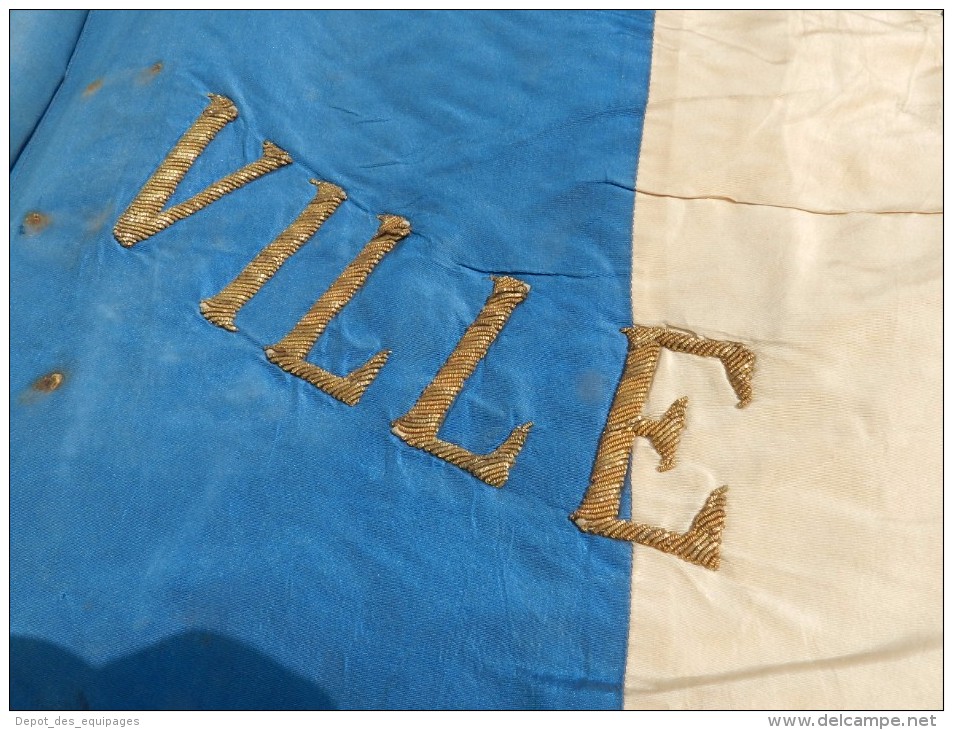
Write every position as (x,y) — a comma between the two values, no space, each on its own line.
(789,197)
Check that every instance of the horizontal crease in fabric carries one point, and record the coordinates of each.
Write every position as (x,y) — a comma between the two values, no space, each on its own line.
(733,201)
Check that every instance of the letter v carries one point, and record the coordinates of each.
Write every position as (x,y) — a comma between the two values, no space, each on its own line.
(145,216)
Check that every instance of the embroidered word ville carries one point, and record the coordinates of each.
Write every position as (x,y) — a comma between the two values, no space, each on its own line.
(599,511)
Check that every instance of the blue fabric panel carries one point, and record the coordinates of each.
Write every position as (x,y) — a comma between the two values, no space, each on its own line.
(190,522)
(41,43)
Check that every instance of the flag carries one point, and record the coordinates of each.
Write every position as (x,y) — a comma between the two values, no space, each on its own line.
(479,360)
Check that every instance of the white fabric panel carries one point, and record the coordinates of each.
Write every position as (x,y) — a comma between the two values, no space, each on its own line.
(790,187)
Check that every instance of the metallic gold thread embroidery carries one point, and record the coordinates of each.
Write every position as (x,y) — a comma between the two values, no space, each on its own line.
(419,426)
(222,308)
(145,215)
(290,353)
(598,513)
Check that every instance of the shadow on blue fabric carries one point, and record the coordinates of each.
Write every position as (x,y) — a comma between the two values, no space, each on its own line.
(195,670)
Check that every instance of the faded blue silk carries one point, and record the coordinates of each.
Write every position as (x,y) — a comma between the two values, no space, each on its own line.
(193,527)
(41,43)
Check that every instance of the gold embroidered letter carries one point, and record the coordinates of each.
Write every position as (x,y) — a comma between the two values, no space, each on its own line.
(222,308)
(419,426)
(290,353)
(599,512)
(145,216)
